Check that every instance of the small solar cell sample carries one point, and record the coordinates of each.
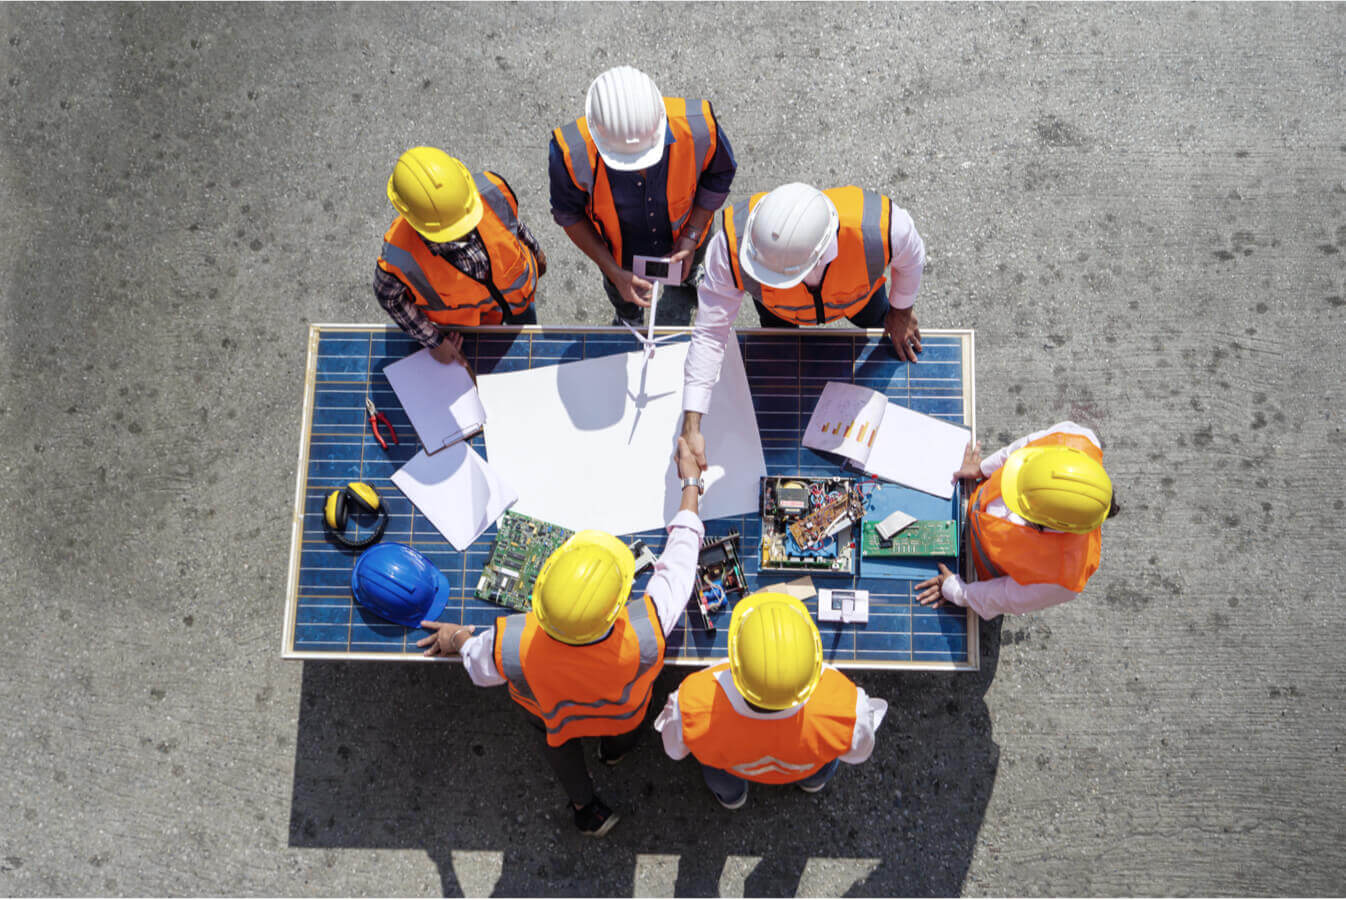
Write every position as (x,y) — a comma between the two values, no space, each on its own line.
(786,373)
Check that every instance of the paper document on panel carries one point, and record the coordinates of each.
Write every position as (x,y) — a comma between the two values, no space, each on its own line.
(456,490)
(846,420)
(917,450)
(589,444)
(440,400)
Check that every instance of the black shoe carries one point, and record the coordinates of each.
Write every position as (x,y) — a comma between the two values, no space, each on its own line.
(636,323)
(611,761)
(595,819)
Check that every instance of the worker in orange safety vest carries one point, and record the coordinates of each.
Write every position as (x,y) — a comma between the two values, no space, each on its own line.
(583,662)
(1035,512)
(640,174)
(457,255)
(773,713)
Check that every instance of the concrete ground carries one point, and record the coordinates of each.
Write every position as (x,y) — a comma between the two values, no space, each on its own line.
(1141,209)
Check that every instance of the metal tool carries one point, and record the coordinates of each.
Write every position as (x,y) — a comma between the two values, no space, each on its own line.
(375,417)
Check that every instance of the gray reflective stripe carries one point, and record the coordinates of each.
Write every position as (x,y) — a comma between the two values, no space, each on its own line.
(740,217)
(412,271)
(682,218)
(510,659)
(579,156)
(496,200)
(616,717)
(975,533)
(647,641)
(696,121)
(871,232)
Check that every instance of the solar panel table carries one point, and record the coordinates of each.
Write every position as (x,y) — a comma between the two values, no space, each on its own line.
(786,372)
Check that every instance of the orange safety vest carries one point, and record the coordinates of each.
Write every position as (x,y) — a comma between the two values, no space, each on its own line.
(1029,556)
(695,138)
(864,252)
(447,295)
(720,730)
(583,691)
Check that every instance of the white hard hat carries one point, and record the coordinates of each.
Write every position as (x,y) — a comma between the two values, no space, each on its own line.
(786,234)
(626,117)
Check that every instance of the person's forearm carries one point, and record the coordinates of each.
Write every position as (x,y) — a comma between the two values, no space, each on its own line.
(583,235)
(699,219)
(691,499)
(691,422)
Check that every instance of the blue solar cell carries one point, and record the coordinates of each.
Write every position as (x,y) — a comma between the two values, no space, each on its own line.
(786,373)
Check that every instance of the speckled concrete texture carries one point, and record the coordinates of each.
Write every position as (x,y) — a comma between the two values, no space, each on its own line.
(1141,209)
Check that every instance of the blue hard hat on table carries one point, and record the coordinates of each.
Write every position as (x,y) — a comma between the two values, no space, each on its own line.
(399,584)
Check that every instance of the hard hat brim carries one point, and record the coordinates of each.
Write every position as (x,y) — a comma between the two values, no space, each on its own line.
(630,162)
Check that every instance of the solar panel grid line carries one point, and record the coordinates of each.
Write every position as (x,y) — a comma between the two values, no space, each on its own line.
(893,624)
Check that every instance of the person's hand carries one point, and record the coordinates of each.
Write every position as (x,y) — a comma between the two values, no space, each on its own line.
(930,588)
(541,263)
(688,464)
(971,468)
(682,252)
(449,350)
(900,324)
(447,638)
(632,288)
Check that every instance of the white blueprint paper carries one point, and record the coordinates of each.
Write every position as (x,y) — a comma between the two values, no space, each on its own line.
(590,444)
(456,490)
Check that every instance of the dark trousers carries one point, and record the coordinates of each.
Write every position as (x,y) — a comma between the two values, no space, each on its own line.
(527,317)
(567,760)
(632,313)
(870,317)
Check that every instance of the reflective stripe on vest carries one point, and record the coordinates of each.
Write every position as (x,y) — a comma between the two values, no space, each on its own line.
(863,252)
(720,729)
(694,139)
(1023,552)
(446,294)
(566,718)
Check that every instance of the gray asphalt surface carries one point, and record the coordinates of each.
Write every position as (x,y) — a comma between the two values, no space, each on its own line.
(1140,209)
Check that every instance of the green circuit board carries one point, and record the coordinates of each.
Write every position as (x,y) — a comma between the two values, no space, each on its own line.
(925,537)
(522,545)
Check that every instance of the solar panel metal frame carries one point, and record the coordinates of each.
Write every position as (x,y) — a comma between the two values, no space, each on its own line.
(316,331)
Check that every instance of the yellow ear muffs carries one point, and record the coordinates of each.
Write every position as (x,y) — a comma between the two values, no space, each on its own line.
(338,508)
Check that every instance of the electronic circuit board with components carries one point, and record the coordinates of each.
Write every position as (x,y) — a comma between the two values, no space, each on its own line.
(808,524)
(522,545)
(719,573)
(926,537)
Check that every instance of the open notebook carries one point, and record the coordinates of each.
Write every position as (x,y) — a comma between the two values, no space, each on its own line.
(441,401)
(885,439)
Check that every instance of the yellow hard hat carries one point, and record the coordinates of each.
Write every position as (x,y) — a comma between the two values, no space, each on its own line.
(1057,487)
(775,651)
(434,192)
(582,586)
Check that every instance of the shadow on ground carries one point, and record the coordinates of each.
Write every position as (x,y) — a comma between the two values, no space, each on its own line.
(413,756)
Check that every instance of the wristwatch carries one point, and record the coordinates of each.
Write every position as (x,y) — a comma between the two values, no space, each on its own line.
(694,482)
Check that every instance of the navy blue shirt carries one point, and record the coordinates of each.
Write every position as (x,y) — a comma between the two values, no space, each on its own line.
(641,197)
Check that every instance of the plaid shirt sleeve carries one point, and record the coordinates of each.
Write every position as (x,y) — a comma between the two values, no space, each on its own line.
(394,297)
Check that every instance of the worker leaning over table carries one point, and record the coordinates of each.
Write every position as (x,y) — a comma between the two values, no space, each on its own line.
(805,257)
(639,175)
(457,254)
(584,661)
(1035,513)
(773,713)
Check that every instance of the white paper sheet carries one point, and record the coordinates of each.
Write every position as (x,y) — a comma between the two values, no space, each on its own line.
(846,420)
(590,444)
(917,450)
(456,490)
(441,401)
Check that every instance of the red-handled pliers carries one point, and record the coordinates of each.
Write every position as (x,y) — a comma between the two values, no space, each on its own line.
(375,417)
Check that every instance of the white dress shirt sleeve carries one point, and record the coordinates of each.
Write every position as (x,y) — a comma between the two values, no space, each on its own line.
(675,569)
(994,596)
(869,712)
(669,725)
(904,273)
(997,459)
(717,303)
(478,655)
